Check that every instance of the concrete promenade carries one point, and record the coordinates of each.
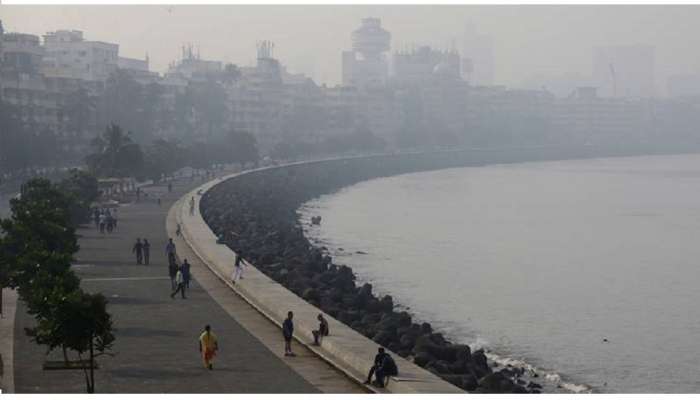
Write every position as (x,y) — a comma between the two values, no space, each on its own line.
(345,348)
(156,349)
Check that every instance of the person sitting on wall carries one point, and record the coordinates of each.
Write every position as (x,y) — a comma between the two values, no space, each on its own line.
(383,366)
(322,330)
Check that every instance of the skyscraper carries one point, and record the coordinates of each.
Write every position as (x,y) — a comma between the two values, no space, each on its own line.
(365,65)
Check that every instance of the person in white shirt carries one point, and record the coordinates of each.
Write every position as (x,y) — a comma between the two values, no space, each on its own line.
(180,281)
(238,268)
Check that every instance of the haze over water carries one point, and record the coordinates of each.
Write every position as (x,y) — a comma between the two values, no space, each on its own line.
(541,262)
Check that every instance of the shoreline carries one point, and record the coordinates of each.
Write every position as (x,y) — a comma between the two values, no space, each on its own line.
(256,213)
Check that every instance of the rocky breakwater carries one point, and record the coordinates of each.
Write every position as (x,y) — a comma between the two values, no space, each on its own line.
(255,214)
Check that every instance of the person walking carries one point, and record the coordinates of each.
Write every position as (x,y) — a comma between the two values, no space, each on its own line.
(138,250)
(186,273)
(208,346)
(170,251)
(103,222)
(180,282)
(237,268)
(172,272)
(146,252)
(114,218)
(288,333)
(110,222)
(192,205)
(96,217)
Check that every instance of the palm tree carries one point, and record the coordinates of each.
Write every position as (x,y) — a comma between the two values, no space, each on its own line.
(115,154)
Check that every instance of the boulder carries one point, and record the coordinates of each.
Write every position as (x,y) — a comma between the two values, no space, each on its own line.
(387,304)
(422,358)
(469,382)
(452,378)
(383,338)
(310,294)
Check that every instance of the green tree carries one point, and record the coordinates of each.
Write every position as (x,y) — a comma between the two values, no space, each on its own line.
(116,154)
(38,235)
(83,189)
(81,323)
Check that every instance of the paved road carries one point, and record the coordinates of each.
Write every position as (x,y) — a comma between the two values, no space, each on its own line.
(156,347)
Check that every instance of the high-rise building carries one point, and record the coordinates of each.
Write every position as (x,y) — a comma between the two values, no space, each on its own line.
(365,65)
(69,55)
(22,53)
(624,71)
(477,57)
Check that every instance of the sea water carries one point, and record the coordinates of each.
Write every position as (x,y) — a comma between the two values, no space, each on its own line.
(587,271)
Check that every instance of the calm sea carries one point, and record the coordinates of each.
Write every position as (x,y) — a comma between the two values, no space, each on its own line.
(588,271)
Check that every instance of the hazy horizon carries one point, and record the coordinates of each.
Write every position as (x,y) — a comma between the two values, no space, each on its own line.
(552,41)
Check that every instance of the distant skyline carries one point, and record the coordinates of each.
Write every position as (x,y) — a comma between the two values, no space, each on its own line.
(529,41)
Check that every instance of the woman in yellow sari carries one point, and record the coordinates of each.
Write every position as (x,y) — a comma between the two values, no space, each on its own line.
(208,345)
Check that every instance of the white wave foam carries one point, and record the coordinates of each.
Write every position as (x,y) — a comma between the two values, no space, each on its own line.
(552,377)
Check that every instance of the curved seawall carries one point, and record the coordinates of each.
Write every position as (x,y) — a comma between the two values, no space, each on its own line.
(255,213)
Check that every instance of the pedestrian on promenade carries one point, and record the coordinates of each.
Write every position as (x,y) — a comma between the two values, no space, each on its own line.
(96,217)
(383,366)
(288,333)
(146,252)
(172,272)
(138,249)
(178,231)
(208,346)
(109,221)
(180,282)
(170,251)
(186,273)
(114,218)
(238,268)
(103,222)
(322,330)
(192,205)
(138,194)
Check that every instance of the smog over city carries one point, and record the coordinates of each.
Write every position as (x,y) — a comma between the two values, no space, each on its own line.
(355,199)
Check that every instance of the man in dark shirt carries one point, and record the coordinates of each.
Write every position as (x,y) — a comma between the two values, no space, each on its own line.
(186,273)
(322,330)
(138,249)
(288,333)
(172,272)
(383,366)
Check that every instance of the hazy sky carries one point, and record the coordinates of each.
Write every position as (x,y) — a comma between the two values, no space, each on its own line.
(529,40)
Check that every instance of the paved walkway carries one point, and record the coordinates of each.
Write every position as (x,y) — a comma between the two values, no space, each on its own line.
(156,347)
(7,319)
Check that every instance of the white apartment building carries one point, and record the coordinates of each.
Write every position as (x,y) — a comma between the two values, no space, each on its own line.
(69,55)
